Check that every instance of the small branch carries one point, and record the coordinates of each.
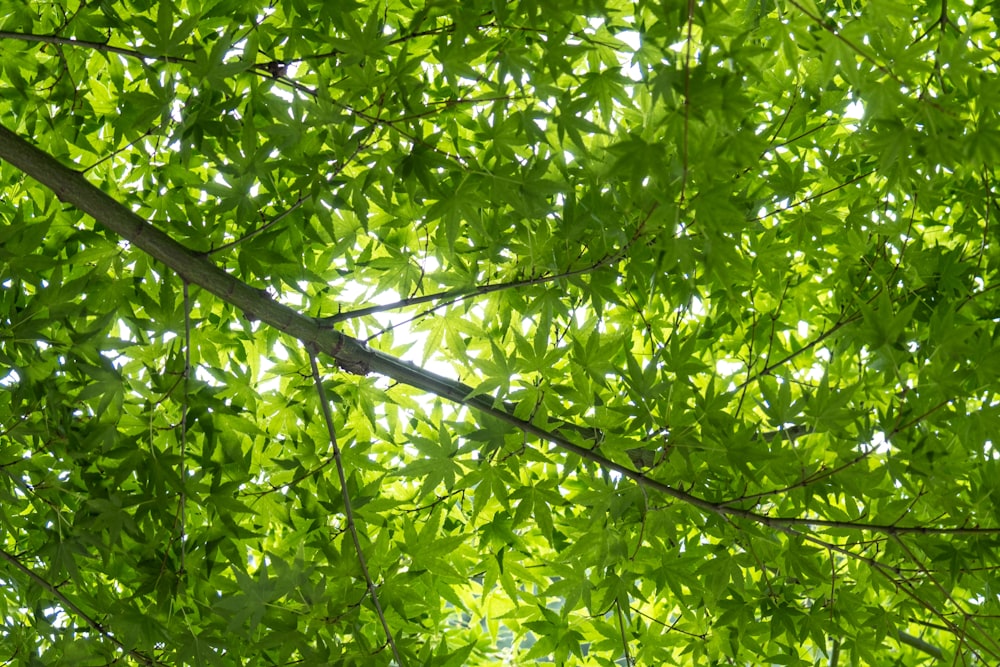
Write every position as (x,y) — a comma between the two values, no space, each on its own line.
(259,230)
(808,199)
(919,418)
(949,597)
(849,44)
(844,321)
(97,46)
(687,104)
(354,356)
(801,135)
(284,214)
(287,485)
(69,605)
(881,528)
(455,101)
(824,473)
(183,432)
(629,661)
(941,22)
(784,119)
(114,153)
(451,297)
(348,510)
(986,217)
(669,627)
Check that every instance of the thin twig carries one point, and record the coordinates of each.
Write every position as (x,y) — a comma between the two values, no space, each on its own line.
(258,230)
(968,617)
(451,297)
(986,218)
(69,605)
(287,485)
(629,661)
(848,43)
(97,46)
(284,214)
(687,103)
(837,326)
(348,511)
(806,200)
(183,431)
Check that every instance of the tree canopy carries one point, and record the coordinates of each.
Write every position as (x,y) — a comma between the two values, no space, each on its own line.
(460,332)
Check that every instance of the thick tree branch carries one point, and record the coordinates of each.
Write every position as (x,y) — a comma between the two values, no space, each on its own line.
(351,354)
(355,356)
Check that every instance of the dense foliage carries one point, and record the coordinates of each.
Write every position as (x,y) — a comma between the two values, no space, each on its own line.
(714,279)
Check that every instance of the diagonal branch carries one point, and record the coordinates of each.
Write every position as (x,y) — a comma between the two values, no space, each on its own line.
(453,296)
(70,606)
(356,357)
(687,104)
(97,46)
(352,526)
(350,353)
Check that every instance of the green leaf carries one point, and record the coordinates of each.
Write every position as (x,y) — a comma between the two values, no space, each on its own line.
(697,304)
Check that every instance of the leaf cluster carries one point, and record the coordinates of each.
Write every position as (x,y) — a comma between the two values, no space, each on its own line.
(752,245)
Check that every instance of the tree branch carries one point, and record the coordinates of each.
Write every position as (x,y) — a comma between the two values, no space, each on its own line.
(356,357)
(70,606)
(97,46)
(352,526)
